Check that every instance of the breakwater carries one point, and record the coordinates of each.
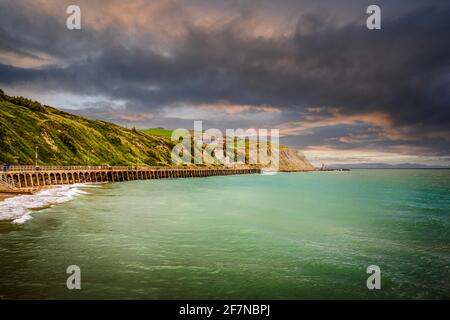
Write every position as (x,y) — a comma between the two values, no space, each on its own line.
(28,178)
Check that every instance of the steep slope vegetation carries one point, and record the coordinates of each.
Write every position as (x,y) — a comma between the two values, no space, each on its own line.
(66,139)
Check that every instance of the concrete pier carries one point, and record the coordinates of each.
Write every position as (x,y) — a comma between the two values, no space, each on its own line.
(26,178)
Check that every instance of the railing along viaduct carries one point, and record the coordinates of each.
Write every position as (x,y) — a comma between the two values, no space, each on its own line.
(27,178)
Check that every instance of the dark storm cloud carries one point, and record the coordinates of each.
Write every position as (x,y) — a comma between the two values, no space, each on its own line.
(402,70)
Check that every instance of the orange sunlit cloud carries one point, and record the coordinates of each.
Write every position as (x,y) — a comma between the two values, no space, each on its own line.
(230,108)
(334,117)
(328,155)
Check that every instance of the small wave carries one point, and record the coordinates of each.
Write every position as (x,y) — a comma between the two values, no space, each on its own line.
(18,209)
(269,173)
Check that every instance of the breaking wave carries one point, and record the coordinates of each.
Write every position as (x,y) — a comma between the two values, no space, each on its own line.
(18,209)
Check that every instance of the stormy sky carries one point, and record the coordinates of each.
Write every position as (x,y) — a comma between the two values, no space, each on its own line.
(336,90)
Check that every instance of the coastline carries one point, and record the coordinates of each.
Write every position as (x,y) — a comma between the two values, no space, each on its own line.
(17,207)
(4,196)
(7,195)
(10,194)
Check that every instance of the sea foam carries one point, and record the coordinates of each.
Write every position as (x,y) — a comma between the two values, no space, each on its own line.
(18,209)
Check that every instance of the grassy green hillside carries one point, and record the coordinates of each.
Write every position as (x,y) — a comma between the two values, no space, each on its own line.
(66,139)
(158,132)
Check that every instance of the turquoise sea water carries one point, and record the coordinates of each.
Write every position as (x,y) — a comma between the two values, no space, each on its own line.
(284,236)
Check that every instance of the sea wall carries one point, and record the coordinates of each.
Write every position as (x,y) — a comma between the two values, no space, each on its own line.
(29,177)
